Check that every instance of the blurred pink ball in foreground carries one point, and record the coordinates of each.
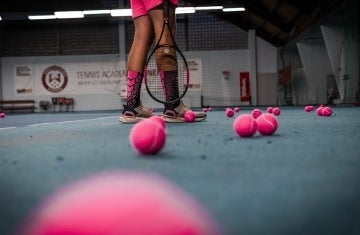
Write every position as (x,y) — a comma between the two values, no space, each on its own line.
(121,203)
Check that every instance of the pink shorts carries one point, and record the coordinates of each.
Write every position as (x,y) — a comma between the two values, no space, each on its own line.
(142,7)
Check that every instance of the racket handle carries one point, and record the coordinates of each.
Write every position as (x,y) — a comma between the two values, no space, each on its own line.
(166,10)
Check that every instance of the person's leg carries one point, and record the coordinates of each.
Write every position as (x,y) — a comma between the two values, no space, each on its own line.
(167,65)
(143,38)
(144,34)
(166,59)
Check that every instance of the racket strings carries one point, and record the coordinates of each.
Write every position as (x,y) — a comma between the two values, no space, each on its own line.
(166,77)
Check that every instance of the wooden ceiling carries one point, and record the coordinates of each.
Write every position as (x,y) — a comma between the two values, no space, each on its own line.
(276,21)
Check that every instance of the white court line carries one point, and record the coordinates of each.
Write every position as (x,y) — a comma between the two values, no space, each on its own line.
(8,128)
(62,122)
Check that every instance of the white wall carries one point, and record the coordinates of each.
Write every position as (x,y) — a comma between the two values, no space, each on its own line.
(216,90)
(267,73)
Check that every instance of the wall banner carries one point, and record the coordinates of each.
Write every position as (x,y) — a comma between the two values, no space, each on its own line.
(72,78)
(245,91)
(83,78)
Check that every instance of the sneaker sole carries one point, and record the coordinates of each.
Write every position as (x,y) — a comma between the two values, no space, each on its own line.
(130,120)
(179,119)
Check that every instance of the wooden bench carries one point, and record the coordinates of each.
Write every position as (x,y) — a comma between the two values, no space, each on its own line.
(17,105)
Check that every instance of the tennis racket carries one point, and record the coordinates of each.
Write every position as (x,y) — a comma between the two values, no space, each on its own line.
(162,60)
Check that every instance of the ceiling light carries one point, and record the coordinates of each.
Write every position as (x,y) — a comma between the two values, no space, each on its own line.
(232,9)
(0,18)
(206,8)
(42,17)
(69,14)
(121,12)
(185,10)
(96,12)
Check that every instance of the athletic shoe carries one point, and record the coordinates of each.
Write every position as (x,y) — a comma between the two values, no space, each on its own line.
(177,114)
(134,115)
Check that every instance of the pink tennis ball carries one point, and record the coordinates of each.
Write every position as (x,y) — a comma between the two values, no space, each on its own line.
(256,113)
(276,111)
(319,110)
(210,109)
(147,137)
(205,110)
(158,119)
(189,116)
(120,203)
(269,109)
(2,115)
(267,124)
(236,109)
(229,112)
(245,125)
(308,109)
(327,111)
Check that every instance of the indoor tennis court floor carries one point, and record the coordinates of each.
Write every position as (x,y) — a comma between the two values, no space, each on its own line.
(305,179)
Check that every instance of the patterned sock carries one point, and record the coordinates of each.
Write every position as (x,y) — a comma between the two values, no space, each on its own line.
(170,84)
(133,88)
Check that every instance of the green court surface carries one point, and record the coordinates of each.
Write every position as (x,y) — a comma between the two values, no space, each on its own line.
(305,179)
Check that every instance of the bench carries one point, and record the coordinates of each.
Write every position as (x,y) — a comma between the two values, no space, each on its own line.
(17,105)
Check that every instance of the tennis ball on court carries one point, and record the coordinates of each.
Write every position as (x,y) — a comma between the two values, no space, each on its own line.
(256,113)
(245,125)
(189,116)
(2,115)
(229,112)
(276,111)
(147,137)
(158,119)
(237,109)
(307,109)
(327,111)
(267,124)
(269,109)
(210,109)
(319,110)
(120,202)
(205,110)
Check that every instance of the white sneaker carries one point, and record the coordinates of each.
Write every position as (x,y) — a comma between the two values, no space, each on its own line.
(177,114)
(134,115)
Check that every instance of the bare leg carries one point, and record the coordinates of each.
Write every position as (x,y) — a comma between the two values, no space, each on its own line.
(143,38)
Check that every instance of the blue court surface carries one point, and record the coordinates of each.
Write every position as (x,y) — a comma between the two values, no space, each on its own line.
(305,179)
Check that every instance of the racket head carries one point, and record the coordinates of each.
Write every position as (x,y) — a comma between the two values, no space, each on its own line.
(153,75)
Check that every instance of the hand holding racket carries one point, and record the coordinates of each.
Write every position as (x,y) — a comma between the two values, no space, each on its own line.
(166,72)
